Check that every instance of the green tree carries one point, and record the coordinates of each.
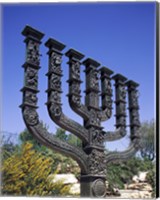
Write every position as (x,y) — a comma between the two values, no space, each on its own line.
(74,140)
(27,173)
(147,140)
(121,173)
(61,134)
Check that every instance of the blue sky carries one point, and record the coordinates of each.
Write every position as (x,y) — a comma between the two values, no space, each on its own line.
(120,36)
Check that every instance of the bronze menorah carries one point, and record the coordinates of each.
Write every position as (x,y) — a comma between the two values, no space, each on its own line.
(92,157)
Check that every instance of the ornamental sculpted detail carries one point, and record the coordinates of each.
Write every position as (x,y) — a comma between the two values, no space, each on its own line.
(55,96)
(33,52)
(122,93)
(75,88)
(31,78)
(55,62)
(107,86)
(97,136)
(55,82)
(91,157)
(99,188)
(76,100)
(31,116)
(75,70)
(56,110)
(96,162)
(31,98)
(134,98)
(94,79)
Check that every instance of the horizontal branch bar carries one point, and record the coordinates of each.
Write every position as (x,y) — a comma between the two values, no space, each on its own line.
(119,133)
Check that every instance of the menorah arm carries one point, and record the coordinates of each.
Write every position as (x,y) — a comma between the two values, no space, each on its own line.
(36,128)
(78,107)
(74,84)
(124,155)
(65,122)
(119,133)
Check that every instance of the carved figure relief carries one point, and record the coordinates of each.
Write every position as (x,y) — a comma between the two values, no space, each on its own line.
(31,98)
(33,52)
(122,93)
(94,79)
(97,136)
(75,70)
(55,97)
(121,120)
(107,101)
(94,119)
(55,82)
(96,162)
(31,78)
(56,110)
(31,116)
(75,88)
(134,98)
(135,117)
(76,100)
(107,86)
(55,63)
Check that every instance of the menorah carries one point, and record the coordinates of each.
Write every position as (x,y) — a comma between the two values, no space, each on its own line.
(92,157)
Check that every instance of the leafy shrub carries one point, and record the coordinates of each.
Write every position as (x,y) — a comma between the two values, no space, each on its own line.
(26,173)
(121,173)
(151,178)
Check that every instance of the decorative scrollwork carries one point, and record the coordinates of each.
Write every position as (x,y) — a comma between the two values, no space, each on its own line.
(96,162)
(31,116)
(33,52)
(56,110)
(31,78)
(99,188)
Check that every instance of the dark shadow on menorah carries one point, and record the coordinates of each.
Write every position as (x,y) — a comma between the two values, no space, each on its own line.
(92,157)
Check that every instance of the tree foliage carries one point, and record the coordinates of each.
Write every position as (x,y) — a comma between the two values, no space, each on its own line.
(121,173)
(63,163)
(147,140)
(26,173)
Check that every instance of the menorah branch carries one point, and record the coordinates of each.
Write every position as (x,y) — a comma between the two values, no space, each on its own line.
(121,156)
(54,91)
(106,94)
(74,82)
(113,135)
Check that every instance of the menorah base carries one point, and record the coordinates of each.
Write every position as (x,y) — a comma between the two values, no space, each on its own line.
(93,186)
